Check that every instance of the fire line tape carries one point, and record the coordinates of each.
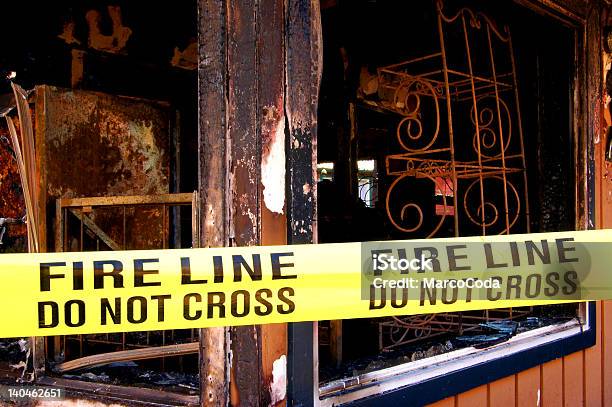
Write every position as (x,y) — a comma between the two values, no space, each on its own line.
(103,292)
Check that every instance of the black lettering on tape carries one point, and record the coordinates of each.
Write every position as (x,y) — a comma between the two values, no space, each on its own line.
(142,309)
(571,279)
(216,300)
(514,283)
(544,254)
(553,288)
(187,307)
(42,314)
(140,272)
(277,265)
(245,302)
(491,264)
(160,305)
(533,285)
(453,257)
(113,312)
(402,301)
(490,295)
(267,306)
(68,314)
(46,276)
(77,275)
(433,255)
(283,295)
(561,250)
(115,273)
(186,273)
(454,294)
(239,263)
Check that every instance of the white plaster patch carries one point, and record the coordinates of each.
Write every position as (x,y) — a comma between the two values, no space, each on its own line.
(273,171)
(278,387)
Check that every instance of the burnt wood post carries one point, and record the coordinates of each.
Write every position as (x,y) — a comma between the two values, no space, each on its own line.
(242,164)
(213,182)
(304,67)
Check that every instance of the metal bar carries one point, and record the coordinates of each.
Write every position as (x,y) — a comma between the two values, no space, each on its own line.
(164,228)
(91,225)
(59,247)
(172,199)
(395,66)
(450,119)
(501,130)
(493,81)
(477,124)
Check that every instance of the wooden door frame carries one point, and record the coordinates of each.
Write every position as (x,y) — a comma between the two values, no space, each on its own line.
(257,91)
(583,17)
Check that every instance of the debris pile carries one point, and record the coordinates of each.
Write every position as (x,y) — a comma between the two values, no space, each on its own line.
(15,352)
(132,374)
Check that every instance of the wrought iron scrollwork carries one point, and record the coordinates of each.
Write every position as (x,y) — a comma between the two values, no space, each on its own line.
(494,126)
(407,101)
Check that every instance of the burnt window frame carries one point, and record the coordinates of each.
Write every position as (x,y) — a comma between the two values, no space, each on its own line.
(303,386)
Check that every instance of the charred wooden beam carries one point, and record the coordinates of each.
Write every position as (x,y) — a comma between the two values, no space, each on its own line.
(271,117)
(119,393)
(102,359)
(213,181)
(243,133)
(571,12)
(594,96)
(303,45)
(243,118)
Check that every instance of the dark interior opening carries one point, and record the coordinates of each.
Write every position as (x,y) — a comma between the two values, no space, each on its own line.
(357,134)
(119,48)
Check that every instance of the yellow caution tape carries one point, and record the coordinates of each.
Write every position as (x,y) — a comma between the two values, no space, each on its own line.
(96,292)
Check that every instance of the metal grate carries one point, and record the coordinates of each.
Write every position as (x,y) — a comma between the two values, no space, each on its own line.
(124,223)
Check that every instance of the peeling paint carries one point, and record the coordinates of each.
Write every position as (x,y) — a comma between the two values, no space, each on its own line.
(273,162)
(68,34)
(278,387)
(306,189)
(115,42)
(186,58)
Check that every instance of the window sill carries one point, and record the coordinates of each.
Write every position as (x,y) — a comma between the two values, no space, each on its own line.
(435,378)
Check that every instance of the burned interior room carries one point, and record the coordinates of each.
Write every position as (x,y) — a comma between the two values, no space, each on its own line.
(440,121)
(112,89)
(436,119)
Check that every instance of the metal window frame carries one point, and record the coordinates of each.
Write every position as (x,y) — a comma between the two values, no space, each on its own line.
(303,388)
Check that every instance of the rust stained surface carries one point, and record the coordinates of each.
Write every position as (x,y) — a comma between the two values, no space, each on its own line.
(103,145)
(271,117)
(12,204)
(213,182)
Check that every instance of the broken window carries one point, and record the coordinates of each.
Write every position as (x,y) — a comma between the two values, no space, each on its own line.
(467,125)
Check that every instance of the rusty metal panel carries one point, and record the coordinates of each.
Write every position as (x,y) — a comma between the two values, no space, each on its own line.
(98,144)
(94,144)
